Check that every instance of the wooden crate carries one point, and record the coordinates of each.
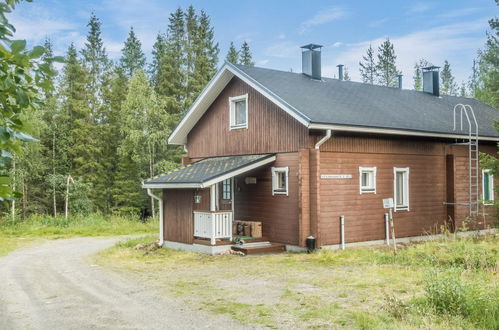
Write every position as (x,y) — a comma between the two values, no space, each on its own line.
(250,228)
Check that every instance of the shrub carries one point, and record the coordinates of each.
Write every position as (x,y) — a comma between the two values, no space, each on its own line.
(448,294)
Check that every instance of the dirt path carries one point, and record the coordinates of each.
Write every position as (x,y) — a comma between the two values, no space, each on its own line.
(51,286)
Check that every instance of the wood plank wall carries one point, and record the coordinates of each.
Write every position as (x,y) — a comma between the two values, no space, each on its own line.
(270,129)
(279,213)
(364,221)
(178,216)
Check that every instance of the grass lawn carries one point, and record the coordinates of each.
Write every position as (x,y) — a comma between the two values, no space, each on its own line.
(36,229)
(445,284)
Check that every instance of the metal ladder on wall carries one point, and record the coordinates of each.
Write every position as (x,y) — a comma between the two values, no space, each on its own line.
(473,153)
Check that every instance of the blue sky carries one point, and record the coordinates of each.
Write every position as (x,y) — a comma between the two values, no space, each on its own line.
(436,30)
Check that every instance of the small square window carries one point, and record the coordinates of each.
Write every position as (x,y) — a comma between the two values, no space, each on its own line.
(367,180)
(487,187)
(279,181)
(238,111)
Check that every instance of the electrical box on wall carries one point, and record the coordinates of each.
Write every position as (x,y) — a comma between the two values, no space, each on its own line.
(197,199)
(250,180)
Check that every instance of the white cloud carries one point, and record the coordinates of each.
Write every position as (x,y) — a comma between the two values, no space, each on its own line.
(459,12)
(456,43)
(246,36)
(262,62)
(285,49)
(322,17)
(281,36)
(337,44)
(377,22)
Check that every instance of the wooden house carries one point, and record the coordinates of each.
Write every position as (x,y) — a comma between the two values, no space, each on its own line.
(301,153)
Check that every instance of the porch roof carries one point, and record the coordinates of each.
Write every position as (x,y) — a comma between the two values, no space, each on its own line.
(208,171)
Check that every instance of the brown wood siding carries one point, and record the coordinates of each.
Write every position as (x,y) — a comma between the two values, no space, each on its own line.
(487,213)
(205,200)
(279,213)
(304,196)
(438,172)
(178,216)
(270,129)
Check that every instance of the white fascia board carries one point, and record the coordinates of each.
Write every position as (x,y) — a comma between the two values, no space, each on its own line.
(211,92)
(171,185)
(200,105)
(293,112)
(390,131)
(212,181)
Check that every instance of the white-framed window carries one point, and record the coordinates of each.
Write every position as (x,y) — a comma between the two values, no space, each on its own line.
(401,188)
(226,189)
(280,180)
(487,187)
(367,180)
(238,111)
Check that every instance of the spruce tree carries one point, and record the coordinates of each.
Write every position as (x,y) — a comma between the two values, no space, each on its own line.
(462,90)
(386,69)
(488,72)
(474,80)
(171,71)
(76,112)
(346,75)
(448,86)
(205,58)
(367,66)
(132,58)
(232,54)
(245,57)
(158,51)
(418,73)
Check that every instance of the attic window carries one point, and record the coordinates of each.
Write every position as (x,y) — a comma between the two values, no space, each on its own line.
(238,111)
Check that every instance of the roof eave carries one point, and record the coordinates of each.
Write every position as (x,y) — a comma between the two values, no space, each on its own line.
(392,131)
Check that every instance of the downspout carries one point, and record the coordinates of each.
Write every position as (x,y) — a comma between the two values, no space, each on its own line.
(324,139)
(161,227)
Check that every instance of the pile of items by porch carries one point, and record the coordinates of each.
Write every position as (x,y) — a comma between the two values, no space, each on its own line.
(247,228)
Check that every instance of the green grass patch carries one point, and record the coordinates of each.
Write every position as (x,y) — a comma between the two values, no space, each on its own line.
(443,284)
(24,233)
(91,225)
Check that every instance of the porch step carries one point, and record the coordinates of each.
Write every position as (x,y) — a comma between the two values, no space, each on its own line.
(259,248)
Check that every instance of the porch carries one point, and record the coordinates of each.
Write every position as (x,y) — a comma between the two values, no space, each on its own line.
(198,204)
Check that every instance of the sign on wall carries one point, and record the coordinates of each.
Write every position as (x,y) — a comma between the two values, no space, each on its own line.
(336,176)
(388,203)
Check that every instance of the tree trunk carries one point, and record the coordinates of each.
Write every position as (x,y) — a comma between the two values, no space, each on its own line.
(13,206)
(25,199)
(151,174)
(53,174)
(66,199)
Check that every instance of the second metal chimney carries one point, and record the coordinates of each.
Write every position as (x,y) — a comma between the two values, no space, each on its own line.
(431,80)
(311,61)
(340,71)
(400,80)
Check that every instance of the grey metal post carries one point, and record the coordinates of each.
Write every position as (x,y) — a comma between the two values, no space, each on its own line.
(342,231)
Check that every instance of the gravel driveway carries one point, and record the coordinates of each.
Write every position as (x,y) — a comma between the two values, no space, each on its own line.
(51,286)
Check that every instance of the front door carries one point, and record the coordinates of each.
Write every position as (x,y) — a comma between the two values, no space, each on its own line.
(225,189)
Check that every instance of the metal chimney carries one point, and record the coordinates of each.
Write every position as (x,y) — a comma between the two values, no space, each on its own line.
(400,80)
(340,71)
(311,60)
(431,80)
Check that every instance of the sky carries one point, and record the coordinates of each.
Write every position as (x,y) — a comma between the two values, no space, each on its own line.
(441,30)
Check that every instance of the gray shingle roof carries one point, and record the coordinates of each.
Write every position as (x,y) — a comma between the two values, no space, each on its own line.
(332,101)
(206,170)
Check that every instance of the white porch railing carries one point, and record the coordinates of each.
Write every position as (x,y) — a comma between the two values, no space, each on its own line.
(213,225)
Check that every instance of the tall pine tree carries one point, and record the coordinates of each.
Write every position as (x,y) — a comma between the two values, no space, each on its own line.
(245,57)
(232,54)
(132,58)
(367,66)
(386,69)
(448,85)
